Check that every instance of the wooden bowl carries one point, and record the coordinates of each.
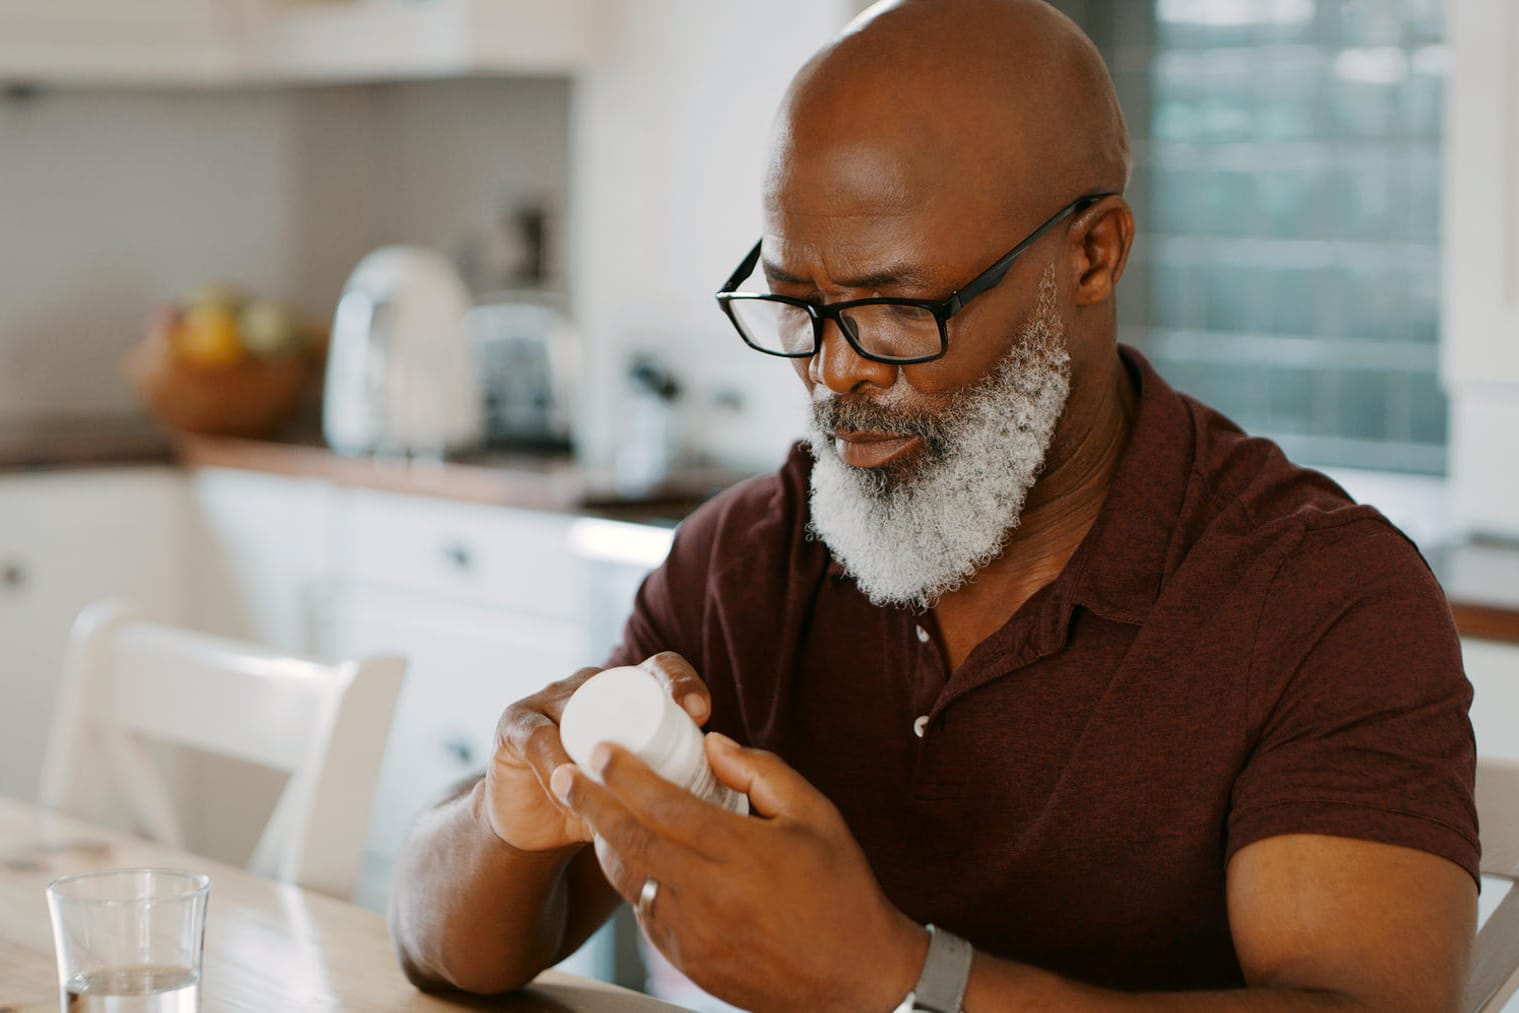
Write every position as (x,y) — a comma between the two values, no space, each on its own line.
(252,398)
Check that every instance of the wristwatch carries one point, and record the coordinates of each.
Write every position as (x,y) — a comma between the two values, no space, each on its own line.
(941,986)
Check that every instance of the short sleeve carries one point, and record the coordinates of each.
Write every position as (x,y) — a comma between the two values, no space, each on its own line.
(1358,708)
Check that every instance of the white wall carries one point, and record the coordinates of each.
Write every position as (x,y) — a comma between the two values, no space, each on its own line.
(1479,341)
(108,203)
(669,138)
(112,202)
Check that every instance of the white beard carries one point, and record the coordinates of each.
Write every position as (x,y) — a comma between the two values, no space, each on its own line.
(909,535)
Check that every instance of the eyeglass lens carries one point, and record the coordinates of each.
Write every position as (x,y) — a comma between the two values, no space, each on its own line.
(886,329)
(774,326)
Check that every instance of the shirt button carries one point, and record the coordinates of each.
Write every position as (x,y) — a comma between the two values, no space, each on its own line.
(920,726)
(922,634)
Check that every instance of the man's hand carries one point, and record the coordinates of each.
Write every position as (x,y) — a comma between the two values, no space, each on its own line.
(779,912)
(519,807)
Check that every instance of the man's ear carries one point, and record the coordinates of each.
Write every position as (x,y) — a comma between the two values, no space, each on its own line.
(1102,236)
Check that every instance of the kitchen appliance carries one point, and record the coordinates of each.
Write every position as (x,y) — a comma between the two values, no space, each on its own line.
(403,376)
(529,360)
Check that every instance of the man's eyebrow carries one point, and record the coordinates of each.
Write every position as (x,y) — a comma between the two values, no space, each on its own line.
(896,275)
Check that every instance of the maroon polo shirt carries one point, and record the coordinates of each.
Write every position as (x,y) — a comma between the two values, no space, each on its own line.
(1236,650)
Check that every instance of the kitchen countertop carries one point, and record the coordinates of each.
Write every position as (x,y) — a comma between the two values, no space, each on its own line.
(527,480)
(530,481)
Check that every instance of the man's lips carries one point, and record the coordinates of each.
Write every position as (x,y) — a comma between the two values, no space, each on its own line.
(872,449)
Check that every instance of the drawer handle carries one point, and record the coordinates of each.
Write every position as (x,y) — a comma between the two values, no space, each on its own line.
(13,575)
(460,750)
(459,556)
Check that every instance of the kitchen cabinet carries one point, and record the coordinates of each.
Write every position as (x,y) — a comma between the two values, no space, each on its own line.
(67,539)
(389,39)
(465,664)
(481,600)
(259,570)
(1480,289)
(487,604)
(261,549)
(237,42)
(517,560)
(116,41)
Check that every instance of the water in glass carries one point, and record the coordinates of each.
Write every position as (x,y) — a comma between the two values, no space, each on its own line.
(135,990)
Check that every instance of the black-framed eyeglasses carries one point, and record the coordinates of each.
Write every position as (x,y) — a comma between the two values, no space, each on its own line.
(881,329)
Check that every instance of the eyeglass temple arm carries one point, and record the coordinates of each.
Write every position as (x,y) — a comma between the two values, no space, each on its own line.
(744,269)
(998,271)
(992,277)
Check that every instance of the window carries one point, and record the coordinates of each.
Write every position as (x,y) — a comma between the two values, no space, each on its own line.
(1287,183)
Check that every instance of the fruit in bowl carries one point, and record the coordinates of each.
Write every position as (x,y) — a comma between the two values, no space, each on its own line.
(222,363)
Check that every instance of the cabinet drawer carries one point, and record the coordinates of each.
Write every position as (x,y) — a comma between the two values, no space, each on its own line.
(465,665)
(514,559)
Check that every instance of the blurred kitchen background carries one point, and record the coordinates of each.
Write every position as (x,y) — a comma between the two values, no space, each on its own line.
(1328,203)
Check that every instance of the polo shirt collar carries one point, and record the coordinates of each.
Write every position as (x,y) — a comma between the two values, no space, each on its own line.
(1125,559)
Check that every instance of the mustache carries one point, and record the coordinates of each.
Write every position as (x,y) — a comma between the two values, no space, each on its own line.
(862,414)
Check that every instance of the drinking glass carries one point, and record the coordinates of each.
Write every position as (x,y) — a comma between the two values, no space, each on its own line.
(129,940)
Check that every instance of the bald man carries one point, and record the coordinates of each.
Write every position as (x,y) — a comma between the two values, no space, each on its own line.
(1049,688)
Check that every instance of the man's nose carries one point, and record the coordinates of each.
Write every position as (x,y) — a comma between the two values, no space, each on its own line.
(841,369)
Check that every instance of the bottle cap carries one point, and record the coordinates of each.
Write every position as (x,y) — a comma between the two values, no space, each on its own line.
(626,706)
(629,707)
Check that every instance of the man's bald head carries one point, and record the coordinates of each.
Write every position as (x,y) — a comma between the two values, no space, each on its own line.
(1005,102)
(909,155)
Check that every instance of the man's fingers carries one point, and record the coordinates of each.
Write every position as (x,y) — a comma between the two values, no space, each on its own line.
(552,698)
(684,684)
(774,789)
(673,811)
(526,733)
(540,746)
(520,722)
(628,850)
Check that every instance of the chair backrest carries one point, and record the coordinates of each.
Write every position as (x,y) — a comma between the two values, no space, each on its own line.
(1495,962)
(128,682)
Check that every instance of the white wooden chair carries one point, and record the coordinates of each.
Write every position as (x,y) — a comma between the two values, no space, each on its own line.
(127,682)
(1495,962)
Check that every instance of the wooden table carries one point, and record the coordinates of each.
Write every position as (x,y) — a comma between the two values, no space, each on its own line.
(270,947)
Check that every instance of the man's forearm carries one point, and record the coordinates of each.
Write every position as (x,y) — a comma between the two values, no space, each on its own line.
(468,911)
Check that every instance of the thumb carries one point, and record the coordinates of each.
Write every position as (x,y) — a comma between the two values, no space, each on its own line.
(773,787)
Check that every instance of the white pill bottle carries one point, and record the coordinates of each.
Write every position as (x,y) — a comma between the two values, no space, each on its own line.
(629,707)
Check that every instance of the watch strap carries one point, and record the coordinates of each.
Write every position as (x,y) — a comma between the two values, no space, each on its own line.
(946,969)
